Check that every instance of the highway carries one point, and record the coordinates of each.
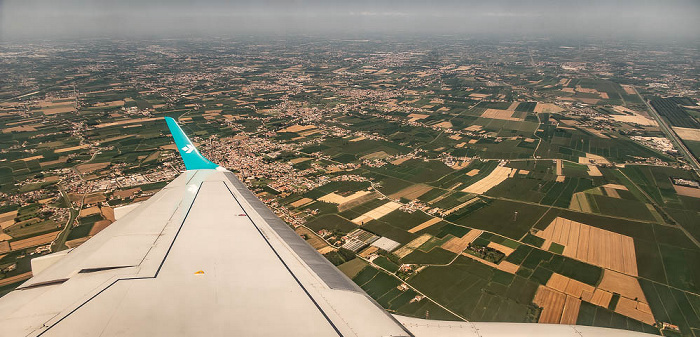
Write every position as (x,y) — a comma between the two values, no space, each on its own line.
(672,135)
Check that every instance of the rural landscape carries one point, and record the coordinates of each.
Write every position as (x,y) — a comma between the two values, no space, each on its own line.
(451,179)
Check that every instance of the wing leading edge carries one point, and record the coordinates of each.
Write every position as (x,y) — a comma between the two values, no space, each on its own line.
(204,256)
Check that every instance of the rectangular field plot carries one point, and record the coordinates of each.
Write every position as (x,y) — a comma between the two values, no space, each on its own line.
(590,314)
(591,244)
(498,175)
(500,216)
(477,292)
(384,289)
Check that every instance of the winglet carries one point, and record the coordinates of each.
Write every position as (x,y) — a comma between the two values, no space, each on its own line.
(189,153)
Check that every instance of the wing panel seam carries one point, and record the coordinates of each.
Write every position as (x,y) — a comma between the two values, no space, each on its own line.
(284,263)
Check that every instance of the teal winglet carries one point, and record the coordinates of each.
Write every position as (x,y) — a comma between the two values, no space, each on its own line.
(189,153)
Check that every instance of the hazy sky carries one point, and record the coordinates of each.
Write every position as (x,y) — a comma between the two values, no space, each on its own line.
(58,19)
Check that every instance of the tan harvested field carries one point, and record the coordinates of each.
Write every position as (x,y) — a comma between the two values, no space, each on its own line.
(126,122)
(445,125)
(591,101)
(475,95)
(687,191)
(424,225)
(552,304)
(559,167)
(57,109)
(73,148)
(688,133)
(501,248)
(400,160)
(377,212)
(586,90)
(558,282)
(593,159)
(32,158)
(474,127)
(20,128)
(460,165)
(87,168)
(89,211)
(569,314)
(611,192)
(108,213)
(634,119)
(358,139)
(497,176)
(312,238)
(7,219)
(513,106)
(593,171)
(473,172)
(357,201)
(547,108)
(579,289)
(34,241)
(616,186)
(635,310)
(604,95)
(339,199)
(601,298)
(622,284)
(99,226)
(376,155)
(415,117)
(457,245)
(506,115)
(4,247)
(369,251)
(570,286)
(297,128)
(411,192)
(326,250)
(15,279)
(593,245)
(411,246)
(301,202)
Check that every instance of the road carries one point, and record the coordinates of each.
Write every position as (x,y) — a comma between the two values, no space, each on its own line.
(671,135)
(59,243)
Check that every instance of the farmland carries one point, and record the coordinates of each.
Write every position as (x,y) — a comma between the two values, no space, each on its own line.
(506,182)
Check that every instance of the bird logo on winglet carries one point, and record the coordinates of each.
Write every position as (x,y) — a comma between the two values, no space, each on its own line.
(188,148)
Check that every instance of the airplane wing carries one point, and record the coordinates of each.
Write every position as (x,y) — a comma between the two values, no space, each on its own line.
(204,256)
